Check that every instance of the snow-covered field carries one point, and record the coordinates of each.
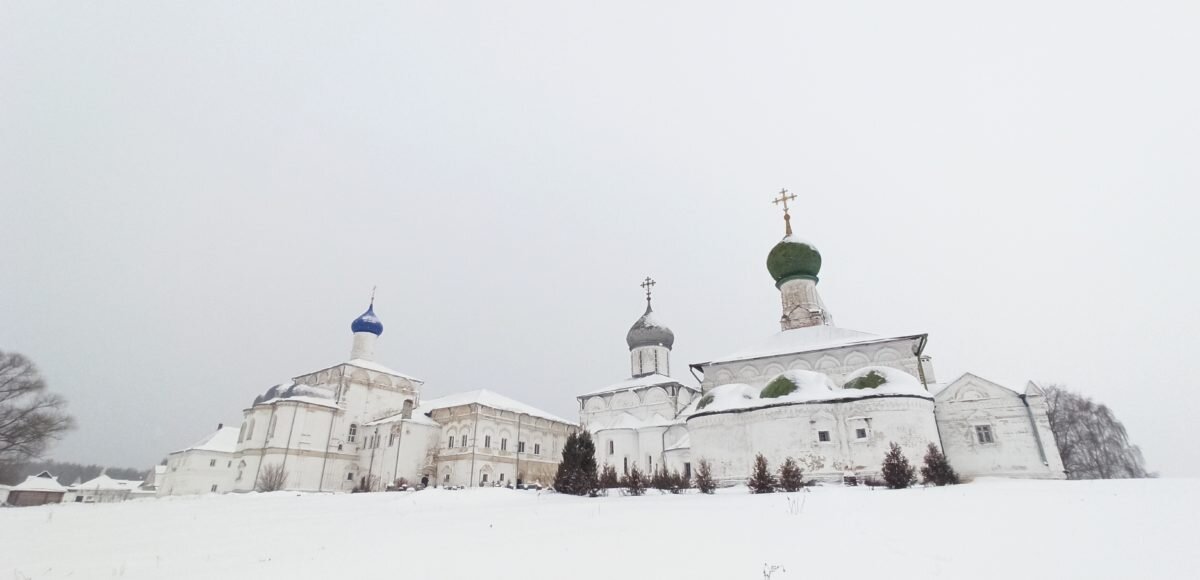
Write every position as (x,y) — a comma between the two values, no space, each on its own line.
(987,529)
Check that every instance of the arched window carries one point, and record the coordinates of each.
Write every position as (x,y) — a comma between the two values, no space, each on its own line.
(250,431)
(353,433)
(242,432)
(611,447)
(626,466)
(487,441)
(271,427)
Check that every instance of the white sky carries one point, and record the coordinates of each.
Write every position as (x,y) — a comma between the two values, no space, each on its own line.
(196,197)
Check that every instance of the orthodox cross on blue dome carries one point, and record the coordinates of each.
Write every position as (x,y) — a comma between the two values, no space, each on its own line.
(368,321)
(783,198)
(648,283)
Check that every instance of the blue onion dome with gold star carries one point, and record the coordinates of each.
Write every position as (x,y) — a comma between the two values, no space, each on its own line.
(792,258)
(368,322)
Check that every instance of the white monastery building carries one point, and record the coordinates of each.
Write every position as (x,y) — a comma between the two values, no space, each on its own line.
(830,397)
(359,425)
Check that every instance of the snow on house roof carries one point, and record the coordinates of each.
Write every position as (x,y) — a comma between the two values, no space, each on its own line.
(488,399)
(103,482)
(621,421)
(807,339)
(40,482)
(684,442)
(374,366)
(636,383)
(417,417)
(737,396)
(223,440)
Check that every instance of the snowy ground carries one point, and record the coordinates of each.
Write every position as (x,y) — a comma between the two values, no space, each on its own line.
(988,529)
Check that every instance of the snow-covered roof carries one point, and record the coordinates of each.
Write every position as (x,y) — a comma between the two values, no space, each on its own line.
(684,442)
(223,440)
(40,482)
(636,383)
(371,365)
(807,339)
(417,417)
(488,399)
(321,401)
(814,387)
(103,482)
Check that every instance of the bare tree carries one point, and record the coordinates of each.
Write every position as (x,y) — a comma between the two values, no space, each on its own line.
(1093,444)
(30,417)
(272,478)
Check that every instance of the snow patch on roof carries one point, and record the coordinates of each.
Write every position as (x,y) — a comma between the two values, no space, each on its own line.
(103,482)
(684,442)
(40,482)
(794,239)
(223,440)
(488,399)
(636,383)
(801,340)
(813,389)
(374,366)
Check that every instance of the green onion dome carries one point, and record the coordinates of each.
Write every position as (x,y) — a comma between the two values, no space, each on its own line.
(793,258)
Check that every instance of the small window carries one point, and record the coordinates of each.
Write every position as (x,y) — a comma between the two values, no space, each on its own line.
(230,464)
(520,447)
(353,433)
(212,462)
(392,440)
(501,477)
(537,448)
(271,427)
(823,436)
(504,444)
(861,433)
(447,478)
(79,499)
(984,434)
(611,448)
(450,443)
(485,478)
(649,464)
(350,477)
(213,488)
(687,470)
(487,441)
(464,441)
(626,466)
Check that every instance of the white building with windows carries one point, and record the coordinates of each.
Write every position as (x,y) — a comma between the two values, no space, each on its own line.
(640,421)
(832,398)
(359,425)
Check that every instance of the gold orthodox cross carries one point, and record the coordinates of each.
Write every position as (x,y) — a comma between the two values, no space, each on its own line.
(648,283)
(783,198)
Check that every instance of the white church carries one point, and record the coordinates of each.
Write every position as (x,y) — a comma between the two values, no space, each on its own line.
(359,425)
(832,398)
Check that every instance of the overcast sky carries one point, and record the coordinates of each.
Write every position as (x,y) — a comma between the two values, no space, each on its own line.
(197,197)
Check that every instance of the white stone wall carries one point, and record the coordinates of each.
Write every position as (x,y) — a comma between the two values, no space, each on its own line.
(493,437)
(196,472)
(645,360)
(643,404)
(802,305)
(1021,445)
(730,440)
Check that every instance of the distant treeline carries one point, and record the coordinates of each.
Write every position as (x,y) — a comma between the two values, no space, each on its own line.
(67,473)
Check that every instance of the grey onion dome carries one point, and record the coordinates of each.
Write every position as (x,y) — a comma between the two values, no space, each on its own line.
(648,331)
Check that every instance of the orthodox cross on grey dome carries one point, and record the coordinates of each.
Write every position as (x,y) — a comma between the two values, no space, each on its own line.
(783,198)
(648,283)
